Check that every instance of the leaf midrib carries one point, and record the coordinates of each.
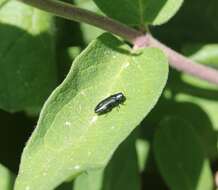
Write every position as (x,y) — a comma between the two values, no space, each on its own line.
(92,116)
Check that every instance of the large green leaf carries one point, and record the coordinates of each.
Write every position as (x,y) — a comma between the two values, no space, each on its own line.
(27,65)
(6,179)
(180,156)
(140,12)
(70,138)
(194,114)
(122,167)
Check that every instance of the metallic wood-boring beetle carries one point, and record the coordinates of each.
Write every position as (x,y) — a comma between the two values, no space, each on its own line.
(109,103)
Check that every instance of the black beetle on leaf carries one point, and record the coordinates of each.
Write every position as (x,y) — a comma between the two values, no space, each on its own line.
(109,103)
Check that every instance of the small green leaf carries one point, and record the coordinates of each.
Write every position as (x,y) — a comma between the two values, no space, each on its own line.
(180,157)
(70,138)
(6,179)
(122,167)
(142,147)
(140,12)
(73,52)
(27,65)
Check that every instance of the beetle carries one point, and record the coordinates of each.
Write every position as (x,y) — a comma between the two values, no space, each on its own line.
(109,103)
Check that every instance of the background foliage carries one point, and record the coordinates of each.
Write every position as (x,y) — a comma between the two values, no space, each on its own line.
(174,146)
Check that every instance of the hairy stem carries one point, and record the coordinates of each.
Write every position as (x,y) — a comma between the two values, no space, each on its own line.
(138,39)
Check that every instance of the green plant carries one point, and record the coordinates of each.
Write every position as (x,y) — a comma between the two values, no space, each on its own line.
(72,147)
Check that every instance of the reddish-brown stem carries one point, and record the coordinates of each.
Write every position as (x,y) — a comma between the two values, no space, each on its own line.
(178,61)
(139,40)
(71,12)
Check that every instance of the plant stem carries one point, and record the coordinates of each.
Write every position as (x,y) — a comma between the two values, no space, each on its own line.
(178,61)
(138,39)
(68,11)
